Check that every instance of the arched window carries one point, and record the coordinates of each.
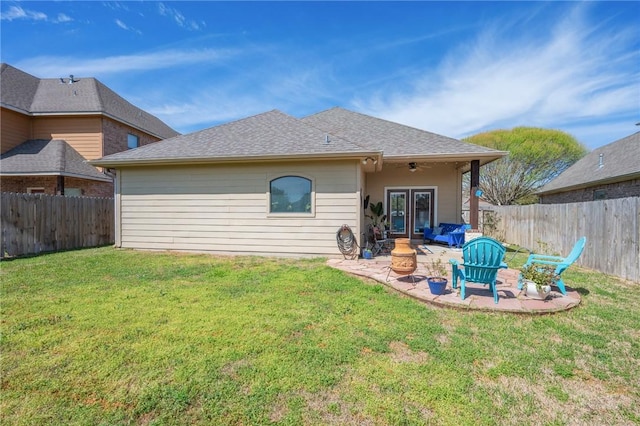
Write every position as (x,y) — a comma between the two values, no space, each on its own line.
(290,194)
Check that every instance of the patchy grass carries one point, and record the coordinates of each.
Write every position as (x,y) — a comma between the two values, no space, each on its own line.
(107,336)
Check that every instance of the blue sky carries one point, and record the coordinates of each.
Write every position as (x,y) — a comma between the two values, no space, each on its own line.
(455,68)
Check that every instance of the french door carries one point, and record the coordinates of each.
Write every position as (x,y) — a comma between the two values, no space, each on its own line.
(409,211)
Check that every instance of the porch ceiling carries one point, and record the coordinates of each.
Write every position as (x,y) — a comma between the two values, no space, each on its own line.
(463,160)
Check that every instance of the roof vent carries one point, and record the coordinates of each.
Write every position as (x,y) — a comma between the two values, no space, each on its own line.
(70,81)
(326,138)
(601,161)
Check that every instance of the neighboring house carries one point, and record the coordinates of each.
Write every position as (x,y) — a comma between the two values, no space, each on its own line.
(275,184)
(50,126)
(611,171)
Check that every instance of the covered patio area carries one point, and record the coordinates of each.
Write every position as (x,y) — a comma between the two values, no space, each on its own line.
(478,297)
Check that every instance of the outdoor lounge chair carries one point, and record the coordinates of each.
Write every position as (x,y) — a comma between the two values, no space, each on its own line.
(447,233)
(482,258)
(561,263)
(375,242)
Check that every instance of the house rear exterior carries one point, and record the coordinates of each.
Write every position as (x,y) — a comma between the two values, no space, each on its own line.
(273,184)
(80,113)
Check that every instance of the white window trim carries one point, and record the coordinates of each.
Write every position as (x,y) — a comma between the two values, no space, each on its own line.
(435,197)
(35,188)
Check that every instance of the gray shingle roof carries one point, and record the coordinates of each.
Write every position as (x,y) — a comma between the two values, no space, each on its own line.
(34,96)
(270,134)
(394,139)
(17,88)
(48,157)
(620,161)
(275,134)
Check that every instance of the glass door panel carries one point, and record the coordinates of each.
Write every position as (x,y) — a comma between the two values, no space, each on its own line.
(422,212)
(409,211)
(397,215)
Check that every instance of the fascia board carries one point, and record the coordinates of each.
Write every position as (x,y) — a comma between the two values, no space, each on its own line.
(226,160)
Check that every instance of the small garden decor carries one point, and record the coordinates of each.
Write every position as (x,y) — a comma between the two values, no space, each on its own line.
(537,280)
(436,278)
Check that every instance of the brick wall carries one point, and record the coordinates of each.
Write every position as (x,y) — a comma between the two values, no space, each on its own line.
(89,188)
(20,184)
(630,188)
(115,136)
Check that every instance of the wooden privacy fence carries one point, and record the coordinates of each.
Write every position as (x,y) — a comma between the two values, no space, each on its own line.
(612,228)
(35,223)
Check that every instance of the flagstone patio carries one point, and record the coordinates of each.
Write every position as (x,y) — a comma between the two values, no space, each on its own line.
(478,296)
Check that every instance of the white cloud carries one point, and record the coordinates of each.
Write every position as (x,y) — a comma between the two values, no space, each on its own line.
(179,18)
(126,27)
(51,66)
(577,72)
(598,134)
(17,12)
(121,24)
(63,18)
(204,109)
(116,5)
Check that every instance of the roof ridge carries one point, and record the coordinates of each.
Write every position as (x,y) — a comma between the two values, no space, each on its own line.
(344,138)
(229,123)
(395,123)
(323,111)
(61,147)
(96,84)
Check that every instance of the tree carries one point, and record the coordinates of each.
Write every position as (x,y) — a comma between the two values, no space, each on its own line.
(536,156)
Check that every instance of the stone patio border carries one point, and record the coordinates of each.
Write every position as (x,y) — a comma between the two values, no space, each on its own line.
(478,297)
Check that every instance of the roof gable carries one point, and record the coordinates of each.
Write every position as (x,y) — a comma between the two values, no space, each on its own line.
(35,96)
(616,161)
(47,157)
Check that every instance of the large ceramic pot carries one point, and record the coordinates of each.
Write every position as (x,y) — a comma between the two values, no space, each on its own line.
(403,257)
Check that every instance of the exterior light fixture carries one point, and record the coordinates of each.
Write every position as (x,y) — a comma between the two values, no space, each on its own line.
(366,160)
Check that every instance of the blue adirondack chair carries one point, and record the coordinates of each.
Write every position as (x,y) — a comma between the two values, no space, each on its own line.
(482,258)
(561,263)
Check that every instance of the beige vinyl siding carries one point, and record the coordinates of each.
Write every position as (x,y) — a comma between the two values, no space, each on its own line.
(445,177)
(16,129)
(84,134)
(224,208)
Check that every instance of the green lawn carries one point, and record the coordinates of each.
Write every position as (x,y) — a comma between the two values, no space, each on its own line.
(105,336)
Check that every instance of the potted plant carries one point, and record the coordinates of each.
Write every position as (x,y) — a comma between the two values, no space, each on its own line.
(377,215)
(436,278)
(537,280)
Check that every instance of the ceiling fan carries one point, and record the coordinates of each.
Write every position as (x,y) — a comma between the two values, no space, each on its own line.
(414,166)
